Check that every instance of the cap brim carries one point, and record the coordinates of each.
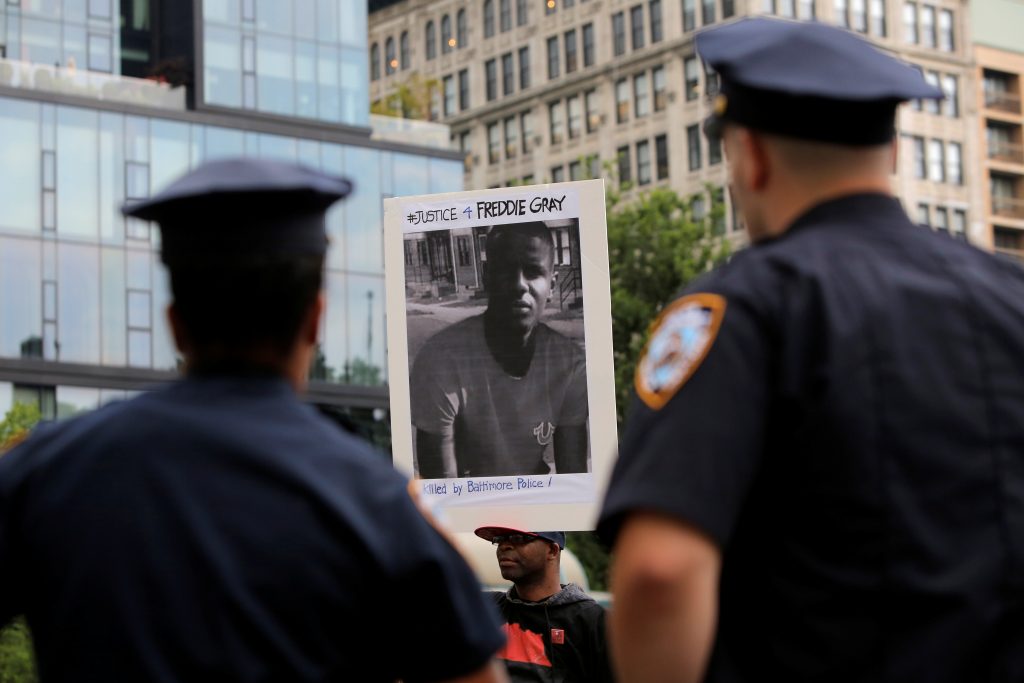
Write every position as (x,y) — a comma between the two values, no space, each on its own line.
(489,532)
(152,208)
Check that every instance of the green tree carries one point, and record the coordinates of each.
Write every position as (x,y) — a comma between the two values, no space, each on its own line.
(409,100)
(655,246)
(17,664)
(17,423)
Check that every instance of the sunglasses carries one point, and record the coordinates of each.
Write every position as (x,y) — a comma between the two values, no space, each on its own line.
(514,539)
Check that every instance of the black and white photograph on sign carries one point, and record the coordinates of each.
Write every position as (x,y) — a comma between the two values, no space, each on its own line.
(497,350)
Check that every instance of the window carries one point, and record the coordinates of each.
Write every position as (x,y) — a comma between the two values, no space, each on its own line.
(449,95)
(505,15)
(787,8)
(954,165)
(588,45)
(714,150)
(924,214)
(436,94)
(403,50)
(654,10)
(928,26)
(941,219)
(575,170)
(461,32)
(570,51)
(622,156)
(491,79)
(553,57)
(718,210)
(374,62)
(910,23)
(950,105)
(936,161)
(511,138)
(689,15)
(946,30)
(524,68)
(390,63)
(555,122)
(549,7)
(447,42)
(842,13)
(590,106)
(661,156)
(931,106)
(575,110)
(521,17)
(621,100)
(430,39)
(918,158)
(878,18)
(805,10)
(710,81)
(488,18)
(858,16)
(641,97)
(636,23)
(526,127)
(643,162)
(707,12)
(557,174)
(508,74)
(693,146)
(618,34)
(493,143)
(464,90)
(960,224)
(692,76)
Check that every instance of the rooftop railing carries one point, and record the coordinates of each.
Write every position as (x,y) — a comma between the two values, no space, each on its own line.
(70,80)
(410,131)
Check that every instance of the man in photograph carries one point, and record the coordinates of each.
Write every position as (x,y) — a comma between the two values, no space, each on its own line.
(502,393)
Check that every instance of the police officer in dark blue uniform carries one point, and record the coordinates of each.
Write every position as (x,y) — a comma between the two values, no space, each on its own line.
(219,529)
(823,474)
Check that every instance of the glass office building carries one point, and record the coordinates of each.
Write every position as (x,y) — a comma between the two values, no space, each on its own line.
(82,290)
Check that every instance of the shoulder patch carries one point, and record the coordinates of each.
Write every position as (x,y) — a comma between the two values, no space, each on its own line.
(680,339)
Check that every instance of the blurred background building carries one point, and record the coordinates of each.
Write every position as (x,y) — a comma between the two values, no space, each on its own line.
(999,52)
(102,101)
(548,90)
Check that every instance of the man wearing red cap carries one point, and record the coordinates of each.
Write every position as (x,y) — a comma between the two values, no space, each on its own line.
(555,631)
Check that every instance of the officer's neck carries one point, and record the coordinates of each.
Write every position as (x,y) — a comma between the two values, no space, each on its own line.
(779,210)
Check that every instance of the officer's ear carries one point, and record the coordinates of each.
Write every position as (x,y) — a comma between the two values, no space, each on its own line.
(310,331)
(758,162)
(177,329)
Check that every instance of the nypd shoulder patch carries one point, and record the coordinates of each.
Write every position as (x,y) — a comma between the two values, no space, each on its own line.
(681,338)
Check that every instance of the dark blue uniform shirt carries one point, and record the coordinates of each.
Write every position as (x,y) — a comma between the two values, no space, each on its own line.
(853,441)
(219,529)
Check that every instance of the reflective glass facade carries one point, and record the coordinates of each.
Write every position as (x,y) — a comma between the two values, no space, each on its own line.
(81,284)
(302,58)
(82,291)
(82,34)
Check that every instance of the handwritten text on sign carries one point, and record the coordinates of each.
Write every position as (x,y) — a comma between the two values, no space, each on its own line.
(541,205)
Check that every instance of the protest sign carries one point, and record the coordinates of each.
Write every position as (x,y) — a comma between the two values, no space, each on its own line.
(500,357)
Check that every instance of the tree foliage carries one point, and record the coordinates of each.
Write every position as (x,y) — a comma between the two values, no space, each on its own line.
(655,247)
(17,663)
(17,423)
(410,99)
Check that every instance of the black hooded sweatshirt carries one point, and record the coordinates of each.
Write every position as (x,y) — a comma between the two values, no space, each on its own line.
(558,640)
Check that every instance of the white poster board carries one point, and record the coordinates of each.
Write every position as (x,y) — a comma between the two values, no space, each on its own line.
(500,353)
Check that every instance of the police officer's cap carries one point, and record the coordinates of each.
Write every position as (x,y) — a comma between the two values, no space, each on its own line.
(237,210)
(807,80)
